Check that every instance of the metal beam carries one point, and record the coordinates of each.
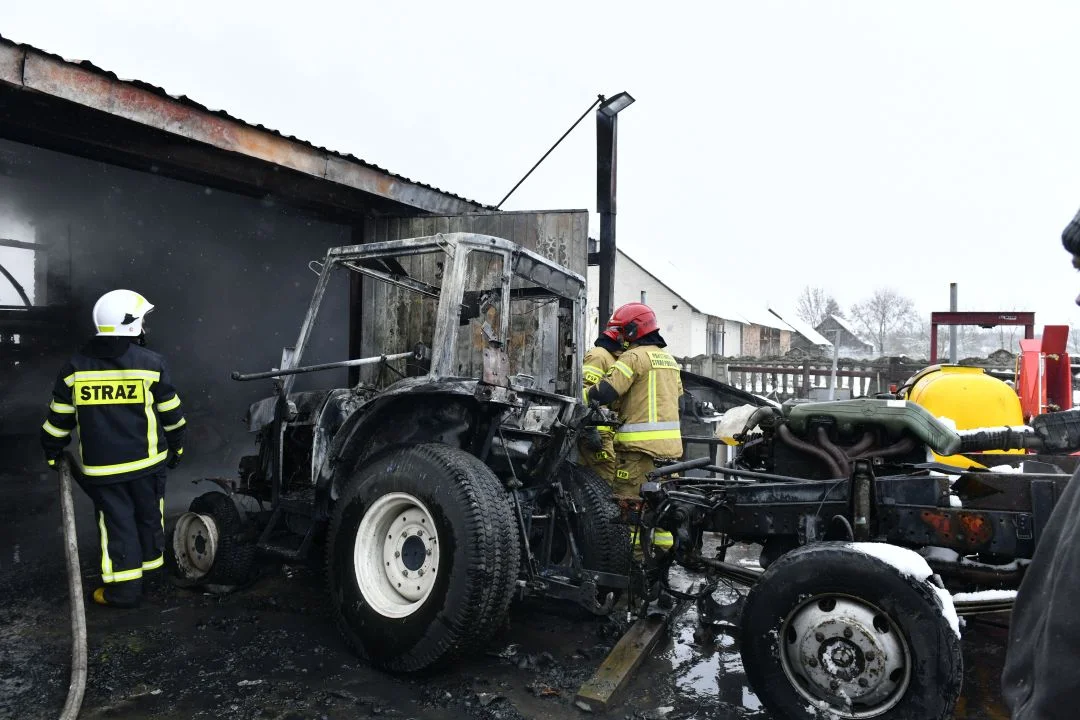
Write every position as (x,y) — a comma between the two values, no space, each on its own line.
(5,242)
(982,318)
(29,69)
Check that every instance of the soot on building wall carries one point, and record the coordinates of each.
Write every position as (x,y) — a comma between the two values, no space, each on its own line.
(228,275)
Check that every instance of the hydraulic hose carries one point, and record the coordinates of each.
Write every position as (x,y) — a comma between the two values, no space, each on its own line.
(75,593)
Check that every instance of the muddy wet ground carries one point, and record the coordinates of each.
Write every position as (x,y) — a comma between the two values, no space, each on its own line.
(271,651)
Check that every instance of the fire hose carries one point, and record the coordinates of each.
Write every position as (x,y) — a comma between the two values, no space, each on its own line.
(77,685)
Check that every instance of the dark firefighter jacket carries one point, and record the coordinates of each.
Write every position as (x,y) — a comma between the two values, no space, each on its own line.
(1041,680)
(120,397)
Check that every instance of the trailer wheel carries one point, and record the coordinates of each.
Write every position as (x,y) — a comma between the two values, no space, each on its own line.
(422,558)
(206,547)
(832,632)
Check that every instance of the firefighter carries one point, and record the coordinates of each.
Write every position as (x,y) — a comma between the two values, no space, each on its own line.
(597,445)
(1041,678)
(131,427)
(647,382)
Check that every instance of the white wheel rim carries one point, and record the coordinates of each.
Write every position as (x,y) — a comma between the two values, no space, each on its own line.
(195,543)
(396,555)
(845,656)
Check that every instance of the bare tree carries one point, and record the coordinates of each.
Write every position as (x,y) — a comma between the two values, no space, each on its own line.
(883,315)
(833,308)
(815,305)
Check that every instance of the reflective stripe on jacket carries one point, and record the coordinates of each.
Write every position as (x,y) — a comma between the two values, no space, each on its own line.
(126,410)
(595,366)
(648,382)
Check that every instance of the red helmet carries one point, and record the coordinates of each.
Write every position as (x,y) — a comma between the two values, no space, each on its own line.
(633,321)
(611,334)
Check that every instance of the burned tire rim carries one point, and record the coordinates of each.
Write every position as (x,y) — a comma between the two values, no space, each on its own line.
(396,555)
(845,656)
(195,544)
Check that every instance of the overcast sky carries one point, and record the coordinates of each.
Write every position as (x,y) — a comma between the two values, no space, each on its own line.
(772,145)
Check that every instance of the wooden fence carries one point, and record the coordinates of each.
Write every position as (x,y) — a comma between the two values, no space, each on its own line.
(783,380)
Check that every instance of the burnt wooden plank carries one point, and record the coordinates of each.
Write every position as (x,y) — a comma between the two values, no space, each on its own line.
(601,691)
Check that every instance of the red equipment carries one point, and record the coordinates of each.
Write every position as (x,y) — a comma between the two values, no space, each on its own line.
(1044,374)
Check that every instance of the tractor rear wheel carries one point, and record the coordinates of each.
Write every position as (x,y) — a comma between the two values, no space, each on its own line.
(422,558)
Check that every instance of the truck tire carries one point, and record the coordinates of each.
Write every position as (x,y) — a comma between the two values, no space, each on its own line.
(206,546)
(422,558)
(604,541)
(827,622)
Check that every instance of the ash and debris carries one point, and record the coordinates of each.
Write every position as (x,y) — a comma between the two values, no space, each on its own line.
(270,651)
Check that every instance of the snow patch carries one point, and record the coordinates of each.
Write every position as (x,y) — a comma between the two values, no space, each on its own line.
(954,501)
(1007,468)
(985,596)
(948,609)
(932,552)
(910,564)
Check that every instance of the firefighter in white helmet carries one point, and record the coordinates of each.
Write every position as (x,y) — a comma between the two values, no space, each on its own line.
(131,427)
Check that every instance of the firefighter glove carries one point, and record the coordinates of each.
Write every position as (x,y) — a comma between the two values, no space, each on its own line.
(174,458)
(590,438)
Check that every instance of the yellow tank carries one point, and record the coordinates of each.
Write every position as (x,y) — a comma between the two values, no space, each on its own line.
(967,396)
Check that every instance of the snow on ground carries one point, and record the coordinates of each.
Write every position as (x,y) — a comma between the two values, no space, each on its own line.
(910,564)
(985,596)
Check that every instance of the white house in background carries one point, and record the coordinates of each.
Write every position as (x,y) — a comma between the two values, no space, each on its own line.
(690,328)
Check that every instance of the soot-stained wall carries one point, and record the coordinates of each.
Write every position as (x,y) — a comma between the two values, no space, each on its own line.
(228,275)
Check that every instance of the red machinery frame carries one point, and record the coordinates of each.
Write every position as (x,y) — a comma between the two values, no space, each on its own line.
(982,319)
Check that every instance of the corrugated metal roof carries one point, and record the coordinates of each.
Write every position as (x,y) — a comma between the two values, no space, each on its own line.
(188,102)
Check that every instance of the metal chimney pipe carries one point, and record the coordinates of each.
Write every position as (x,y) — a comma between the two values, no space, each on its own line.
(952,328)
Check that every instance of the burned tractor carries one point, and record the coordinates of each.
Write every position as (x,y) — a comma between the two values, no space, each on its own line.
(437,487)
(865,539)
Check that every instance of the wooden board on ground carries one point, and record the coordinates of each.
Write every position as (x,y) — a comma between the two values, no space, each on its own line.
(601,690)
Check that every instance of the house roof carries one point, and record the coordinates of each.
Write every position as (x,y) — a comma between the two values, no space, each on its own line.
(671,277)
(88,86)
(803,329)
(762,317)
(842,322)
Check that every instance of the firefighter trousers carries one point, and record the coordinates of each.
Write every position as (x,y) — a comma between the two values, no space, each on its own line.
(130,516)
(630,470)
(602,461)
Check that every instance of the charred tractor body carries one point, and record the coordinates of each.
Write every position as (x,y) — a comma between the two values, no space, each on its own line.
(438,486)
(865,539)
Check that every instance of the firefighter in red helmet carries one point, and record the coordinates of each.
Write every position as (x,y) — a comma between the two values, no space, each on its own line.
(647,383)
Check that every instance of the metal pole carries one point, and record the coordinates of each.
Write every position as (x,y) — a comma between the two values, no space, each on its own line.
(237,375)
(835,360)
(952,328)
(606,127)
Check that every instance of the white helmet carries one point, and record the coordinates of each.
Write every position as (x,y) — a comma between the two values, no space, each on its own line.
(120,313)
